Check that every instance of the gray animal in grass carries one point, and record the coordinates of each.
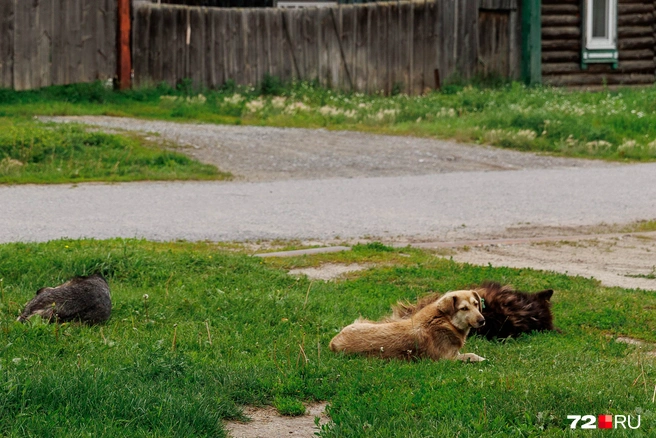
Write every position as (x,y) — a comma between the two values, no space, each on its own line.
(83,299)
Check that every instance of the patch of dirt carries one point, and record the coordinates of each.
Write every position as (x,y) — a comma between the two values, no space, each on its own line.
(328,271)
(627,261)
(266,422)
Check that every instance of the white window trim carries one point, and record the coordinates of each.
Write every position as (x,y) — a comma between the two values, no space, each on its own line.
(597,43)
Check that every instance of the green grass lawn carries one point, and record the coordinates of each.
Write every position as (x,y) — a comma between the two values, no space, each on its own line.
(615,125)
(153,369)
(32,152)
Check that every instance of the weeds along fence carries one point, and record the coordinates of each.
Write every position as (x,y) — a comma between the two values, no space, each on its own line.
(408,46)
(55,42)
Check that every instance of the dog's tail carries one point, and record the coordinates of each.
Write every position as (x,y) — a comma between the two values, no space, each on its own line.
(405,309)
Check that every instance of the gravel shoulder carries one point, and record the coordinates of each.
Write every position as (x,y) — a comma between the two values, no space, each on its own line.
(259,153)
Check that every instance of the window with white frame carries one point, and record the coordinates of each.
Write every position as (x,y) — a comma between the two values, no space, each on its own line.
(600,31)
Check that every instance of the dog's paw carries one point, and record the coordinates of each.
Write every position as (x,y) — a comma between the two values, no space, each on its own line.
(470,357)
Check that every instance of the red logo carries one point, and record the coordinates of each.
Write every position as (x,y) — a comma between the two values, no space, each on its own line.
(605,422)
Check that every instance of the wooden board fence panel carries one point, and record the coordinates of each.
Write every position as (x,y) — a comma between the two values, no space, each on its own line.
(7,20)
(375,47)
(56,42)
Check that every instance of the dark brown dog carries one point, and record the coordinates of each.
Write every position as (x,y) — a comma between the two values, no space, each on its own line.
(508,313)
(438,331)
(84,299)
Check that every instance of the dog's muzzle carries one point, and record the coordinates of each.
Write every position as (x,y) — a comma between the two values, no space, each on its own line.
(480,323)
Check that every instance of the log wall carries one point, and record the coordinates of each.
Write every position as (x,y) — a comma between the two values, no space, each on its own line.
(562,44)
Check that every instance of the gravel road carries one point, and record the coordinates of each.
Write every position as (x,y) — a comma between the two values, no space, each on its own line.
(260,153)
(439,206)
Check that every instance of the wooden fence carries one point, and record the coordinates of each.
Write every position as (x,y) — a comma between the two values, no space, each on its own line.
(410,46)
(54,42)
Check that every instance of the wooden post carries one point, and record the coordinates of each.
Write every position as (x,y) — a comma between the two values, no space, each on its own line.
(531,42)
(124,55)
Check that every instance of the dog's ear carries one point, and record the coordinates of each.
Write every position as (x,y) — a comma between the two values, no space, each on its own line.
(545,294)
(448,305)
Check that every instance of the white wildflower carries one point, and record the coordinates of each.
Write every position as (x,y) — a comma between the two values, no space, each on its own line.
(278,102)
(527,134)
(330,111)
(255,105)
(296,107)
(235,99)
(627,145)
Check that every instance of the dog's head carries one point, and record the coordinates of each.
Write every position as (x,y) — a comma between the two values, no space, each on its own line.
(464,307)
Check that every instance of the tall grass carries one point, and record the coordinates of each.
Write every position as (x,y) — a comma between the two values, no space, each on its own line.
(618,125)
(33,153)
(219,329)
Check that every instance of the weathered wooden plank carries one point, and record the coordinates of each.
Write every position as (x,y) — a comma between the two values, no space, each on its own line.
(644,54)
(395,64)
(636,43)
(266,39)
(561,56)
(105,36)
(210,53)
(277,43)
(467,53)
(494,42)
(233,22)
(361,62)
(374,83)
(259,56)
(42,62)
(560,2)
(325,32)
(58,54)
(554,33)
(634,8)
(197,47)
(348,29)
(633,31)
(598,79)
(418,47)
(560,9)
(637,66)
(388,55)
(403,76)
(73,39)
(183,40)
(88,67)
(141,44)
(560,20)
(449,43)
(569,44)
(219,46)
(290,59)
(156,47)
(241,54)
(431,47)
(304,44)
(22,47)
(505,5)
(635,19)
(7,21)
(169,24)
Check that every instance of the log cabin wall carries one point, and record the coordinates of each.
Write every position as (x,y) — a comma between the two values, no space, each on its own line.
(562,43)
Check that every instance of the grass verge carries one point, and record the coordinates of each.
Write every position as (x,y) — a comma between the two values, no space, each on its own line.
(197,332)
(615,125)
(31,152)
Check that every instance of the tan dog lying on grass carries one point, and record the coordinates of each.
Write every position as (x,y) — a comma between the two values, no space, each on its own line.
(437,331)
